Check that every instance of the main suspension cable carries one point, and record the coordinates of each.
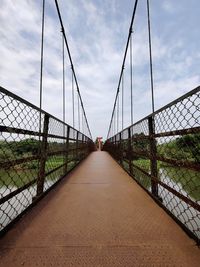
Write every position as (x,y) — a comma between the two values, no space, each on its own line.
(71,62)
(123,63)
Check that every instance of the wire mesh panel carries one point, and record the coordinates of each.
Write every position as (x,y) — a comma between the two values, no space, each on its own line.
(162,152)
(33,157)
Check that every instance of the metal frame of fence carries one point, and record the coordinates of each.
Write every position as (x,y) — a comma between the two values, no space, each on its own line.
(162,153)
(33,160)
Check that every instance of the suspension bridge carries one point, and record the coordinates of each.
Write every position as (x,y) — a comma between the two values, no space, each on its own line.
(64,202)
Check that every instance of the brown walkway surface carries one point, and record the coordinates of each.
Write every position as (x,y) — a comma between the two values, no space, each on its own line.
(97,217)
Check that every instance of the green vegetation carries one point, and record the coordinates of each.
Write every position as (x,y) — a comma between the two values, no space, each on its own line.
(20,174)
(190,144)
(188,179)
(140,143)
(18,149)
(16,178)
(186,147)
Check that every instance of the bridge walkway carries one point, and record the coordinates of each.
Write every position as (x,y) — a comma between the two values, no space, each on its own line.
(97,216)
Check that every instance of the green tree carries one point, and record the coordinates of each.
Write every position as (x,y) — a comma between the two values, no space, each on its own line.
(139,144)
(190,144)
(25,146)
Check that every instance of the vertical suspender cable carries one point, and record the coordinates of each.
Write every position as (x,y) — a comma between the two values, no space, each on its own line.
(73,119)
(131,75)
(41,66)
(120,77)
(73,71)
(114,126)
(150,56)
(118,114)
(122,100)
(63,59)
(78,112)
(82,121)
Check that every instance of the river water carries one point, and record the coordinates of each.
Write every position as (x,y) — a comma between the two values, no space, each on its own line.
(14,206)
(184,212)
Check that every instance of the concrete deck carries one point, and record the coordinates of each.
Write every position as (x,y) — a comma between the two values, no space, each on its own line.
(98,216)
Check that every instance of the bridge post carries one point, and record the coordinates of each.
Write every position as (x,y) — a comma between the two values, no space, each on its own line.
(82,147)
(120,149)
(116,147)
(77,146)
(153,160)
(130,151)
(43,157)
(67,152)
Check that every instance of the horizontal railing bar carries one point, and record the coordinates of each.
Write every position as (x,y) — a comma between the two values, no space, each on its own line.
(171,134)
(139,153)
(163,134)
(190,93)
(188,201)
(17,191)
(57,168)
(16,97)
(193,204)
(139,137)
(140,169)
(65,138)
(60,166)
(7,164)
(178,132)
(56,136)
(177,163)
(8,129)
(63,151)
(194,91)
(13,130)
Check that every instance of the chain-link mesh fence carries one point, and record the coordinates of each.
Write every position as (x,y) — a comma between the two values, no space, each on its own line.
(32,160)
(162,153)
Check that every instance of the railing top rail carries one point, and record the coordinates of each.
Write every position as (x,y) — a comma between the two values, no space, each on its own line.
(8,93)
(190,93)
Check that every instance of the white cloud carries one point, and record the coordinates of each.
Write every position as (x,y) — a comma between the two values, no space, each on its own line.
(97,36)
(168,6)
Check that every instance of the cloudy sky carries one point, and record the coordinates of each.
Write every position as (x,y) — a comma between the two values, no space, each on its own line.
(97,32)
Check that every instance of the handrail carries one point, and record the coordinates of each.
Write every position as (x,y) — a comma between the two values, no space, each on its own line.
(30,166)
(161,152)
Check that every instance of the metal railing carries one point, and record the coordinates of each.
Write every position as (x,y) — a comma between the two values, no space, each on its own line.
(162,153)
(33,160)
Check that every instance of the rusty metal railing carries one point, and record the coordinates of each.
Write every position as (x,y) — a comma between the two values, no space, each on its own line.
(162,153)
(32,161)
